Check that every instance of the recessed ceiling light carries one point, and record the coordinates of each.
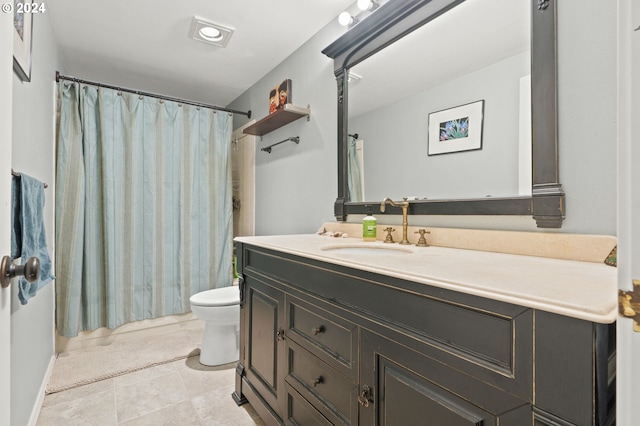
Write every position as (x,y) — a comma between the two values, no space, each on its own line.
(209,32)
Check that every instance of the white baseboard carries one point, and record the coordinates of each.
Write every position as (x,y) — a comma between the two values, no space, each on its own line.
(37,406)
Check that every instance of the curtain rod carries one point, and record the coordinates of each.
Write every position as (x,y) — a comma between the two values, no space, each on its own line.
(152,95)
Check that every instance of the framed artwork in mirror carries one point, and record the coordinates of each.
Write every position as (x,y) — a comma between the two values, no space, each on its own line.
(22,32)
(456,129)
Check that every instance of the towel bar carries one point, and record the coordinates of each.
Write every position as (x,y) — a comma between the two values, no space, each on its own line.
(16,174)
(295,139)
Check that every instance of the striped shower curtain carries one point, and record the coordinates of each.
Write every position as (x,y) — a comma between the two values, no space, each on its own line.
(143,206)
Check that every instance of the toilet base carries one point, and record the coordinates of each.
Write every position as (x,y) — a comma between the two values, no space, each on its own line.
(219,344)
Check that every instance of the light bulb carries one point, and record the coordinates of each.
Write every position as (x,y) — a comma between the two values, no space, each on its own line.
(365,4)
(210,33)
(345,19)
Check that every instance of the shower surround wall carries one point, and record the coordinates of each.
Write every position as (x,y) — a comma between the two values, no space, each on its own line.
(243,155)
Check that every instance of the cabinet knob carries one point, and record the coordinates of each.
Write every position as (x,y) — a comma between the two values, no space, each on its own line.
(280,334)
(318,330)
(364,398)
(317,381)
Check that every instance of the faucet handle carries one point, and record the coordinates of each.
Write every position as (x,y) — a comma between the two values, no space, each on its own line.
(422,241)
(389,238)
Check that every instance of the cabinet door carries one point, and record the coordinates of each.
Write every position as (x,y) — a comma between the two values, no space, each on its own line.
(399,386)
(301,413)
(264,318)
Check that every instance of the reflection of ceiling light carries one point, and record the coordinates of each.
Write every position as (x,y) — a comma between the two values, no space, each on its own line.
(209,32)
(353,78)
(345,19)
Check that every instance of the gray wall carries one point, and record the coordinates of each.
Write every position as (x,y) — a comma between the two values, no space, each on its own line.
(587,104)
(296,185)
(32,325)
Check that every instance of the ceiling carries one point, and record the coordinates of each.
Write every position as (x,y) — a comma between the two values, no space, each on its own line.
(145,44)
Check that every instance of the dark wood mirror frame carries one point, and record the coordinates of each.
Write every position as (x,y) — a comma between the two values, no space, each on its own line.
(395,19)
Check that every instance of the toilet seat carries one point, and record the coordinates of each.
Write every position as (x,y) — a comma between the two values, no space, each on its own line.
(224,296)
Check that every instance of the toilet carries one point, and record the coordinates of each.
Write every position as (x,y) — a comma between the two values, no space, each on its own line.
(220,310)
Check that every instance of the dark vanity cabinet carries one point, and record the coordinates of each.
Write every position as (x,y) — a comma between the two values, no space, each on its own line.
(324,344)
(262,347)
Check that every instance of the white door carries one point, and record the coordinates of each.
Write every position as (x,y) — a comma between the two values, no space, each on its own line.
(628,348)
(6,101)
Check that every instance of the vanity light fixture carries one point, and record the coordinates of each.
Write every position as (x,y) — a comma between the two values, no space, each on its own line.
(365,8)
(346,19)
(369,5)
(209,32)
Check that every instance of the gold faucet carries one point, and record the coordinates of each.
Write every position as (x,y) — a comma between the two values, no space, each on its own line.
(405,206)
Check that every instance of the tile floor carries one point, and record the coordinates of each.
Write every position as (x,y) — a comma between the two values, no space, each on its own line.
(180,393)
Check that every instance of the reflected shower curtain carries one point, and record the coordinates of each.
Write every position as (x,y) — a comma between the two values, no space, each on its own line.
(143,207)
(354,180)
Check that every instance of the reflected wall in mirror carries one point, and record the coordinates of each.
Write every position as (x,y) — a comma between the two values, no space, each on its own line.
(471,53)
(416,57)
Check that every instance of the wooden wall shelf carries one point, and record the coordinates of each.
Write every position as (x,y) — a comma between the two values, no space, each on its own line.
(278,119)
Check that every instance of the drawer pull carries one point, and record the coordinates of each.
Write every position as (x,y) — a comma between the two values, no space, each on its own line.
(318,330)
(365,396)
(318,380)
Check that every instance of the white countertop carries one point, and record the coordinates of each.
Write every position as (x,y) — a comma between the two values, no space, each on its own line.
(584,290)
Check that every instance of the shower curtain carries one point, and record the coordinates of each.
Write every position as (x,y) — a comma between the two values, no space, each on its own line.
(143,206)
(354,181)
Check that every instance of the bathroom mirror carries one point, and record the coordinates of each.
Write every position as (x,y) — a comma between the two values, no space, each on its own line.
(403,151)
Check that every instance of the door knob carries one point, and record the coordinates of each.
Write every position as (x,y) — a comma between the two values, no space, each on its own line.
(30,270)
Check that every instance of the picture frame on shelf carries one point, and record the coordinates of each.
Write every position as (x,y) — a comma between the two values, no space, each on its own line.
(456,129)
(279,96)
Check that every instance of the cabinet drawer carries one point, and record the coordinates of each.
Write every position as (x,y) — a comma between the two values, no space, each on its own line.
(333,394)
(301,413)
(487,339)
(329,337)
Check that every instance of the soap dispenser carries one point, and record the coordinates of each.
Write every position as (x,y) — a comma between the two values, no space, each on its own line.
(369,226)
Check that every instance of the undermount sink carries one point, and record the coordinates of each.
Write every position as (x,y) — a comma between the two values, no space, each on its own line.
(370,250)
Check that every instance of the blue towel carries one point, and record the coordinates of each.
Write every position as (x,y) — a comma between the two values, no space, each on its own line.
(28,236)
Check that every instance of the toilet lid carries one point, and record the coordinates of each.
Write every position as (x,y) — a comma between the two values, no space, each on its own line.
(225,296)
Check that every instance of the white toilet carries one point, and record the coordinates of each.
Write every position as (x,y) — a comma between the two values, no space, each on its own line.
(220,310)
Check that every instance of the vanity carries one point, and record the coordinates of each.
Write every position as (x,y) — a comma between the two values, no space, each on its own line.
(337,331)
(479,328)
